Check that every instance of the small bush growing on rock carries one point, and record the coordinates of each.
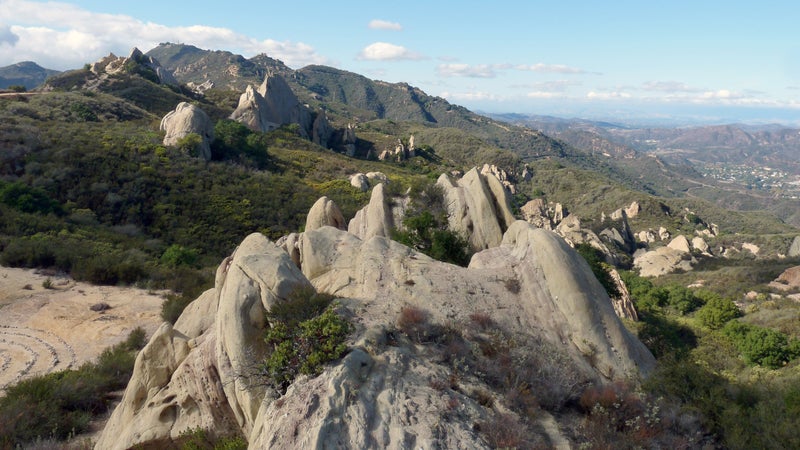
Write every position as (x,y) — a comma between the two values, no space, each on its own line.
(305,333)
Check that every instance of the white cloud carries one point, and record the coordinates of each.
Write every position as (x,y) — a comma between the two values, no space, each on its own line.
(668,86)
(549,86)
(592,95)
(383,51)
(62,36)
(378,24)
(466,70)
(469,96)
(549,68)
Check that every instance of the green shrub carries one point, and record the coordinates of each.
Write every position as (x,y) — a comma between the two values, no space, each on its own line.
(717,312)
(304,334)
(425,228)
(759,345)
(178,255)
(600,268)
(28,199)
(173,306)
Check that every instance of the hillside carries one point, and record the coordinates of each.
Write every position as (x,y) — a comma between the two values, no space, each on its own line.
(26,73)
(317,298)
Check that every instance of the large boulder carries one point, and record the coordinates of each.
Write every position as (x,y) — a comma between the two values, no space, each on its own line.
(662,261)
(187,119)
(324,212)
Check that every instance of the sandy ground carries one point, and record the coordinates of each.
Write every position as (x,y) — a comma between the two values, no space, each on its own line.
(45,330)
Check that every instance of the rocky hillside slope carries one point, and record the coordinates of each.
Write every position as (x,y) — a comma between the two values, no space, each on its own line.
(531,294)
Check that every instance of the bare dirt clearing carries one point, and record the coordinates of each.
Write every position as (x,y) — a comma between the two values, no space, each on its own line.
(46,330)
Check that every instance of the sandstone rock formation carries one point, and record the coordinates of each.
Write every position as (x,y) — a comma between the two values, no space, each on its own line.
(478,207)
(186,119)
(199,373)
(681,244)
(323,213)
(661,261)
(787,280)
(274,104)
(375,219)
(794,249)
(360,182)
(112,64)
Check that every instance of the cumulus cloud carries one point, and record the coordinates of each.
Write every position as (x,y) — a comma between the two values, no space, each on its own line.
(62,36)
(549,68)
(466,70)
(378,24)
(383,51)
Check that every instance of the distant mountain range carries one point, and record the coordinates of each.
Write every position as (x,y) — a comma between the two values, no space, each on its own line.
(26,73)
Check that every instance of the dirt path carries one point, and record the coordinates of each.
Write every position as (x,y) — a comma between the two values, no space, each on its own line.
(46,330)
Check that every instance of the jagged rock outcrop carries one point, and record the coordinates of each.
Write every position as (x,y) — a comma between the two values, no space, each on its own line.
(321,130)
(700,245)
(271,105)
(375,219)
(623,303)
(323,213)
(349,140)
(200,372)
(570,229)
(112,64)
(187,119)
(478,207)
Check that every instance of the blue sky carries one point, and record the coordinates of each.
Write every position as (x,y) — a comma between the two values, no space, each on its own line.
(710,60)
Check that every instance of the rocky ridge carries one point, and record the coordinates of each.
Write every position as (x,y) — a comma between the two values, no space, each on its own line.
(199,373)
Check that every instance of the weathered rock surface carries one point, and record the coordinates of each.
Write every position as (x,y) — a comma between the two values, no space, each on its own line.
(199,374)
(794,249)
(360,182)
(186,119)
(789,279)
(112,64)
(661,261)
(323,213)
(681,244)
(274,104)
(375,219)
(478,207)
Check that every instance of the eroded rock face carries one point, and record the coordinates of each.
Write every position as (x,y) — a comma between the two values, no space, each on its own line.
(186,119)
(113,64)
(375,219)
(478,207)
(323,213)
(181,382)
(274,104)
(380,394)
